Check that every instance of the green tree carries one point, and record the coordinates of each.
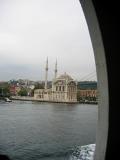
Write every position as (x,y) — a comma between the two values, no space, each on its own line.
(4,90)
(39,86)
(22,92)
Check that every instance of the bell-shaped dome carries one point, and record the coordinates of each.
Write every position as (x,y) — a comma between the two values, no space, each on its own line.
(64,77)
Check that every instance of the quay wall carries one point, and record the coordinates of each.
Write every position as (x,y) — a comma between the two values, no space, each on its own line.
(38,100)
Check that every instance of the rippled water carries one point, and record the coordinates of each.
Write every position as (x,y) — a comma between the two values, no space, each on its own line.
(33,130)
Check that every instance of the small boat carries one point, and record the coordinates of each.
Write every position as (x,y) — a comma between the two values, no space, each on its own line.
(8,100)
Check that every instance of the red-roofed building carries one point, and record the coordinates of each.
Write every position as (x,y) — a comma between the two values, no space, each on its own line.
(14,90)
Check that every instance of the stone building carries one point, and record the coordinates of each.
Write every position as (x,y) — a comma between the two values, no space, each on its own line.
(64,88)
(88,94)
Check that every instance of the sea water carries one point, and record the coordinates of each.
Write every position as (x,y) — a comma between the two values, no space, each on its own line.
(46,131)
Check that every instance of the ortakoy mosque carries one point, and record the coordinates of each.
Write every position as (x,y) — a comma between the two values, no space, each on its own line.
(64,88)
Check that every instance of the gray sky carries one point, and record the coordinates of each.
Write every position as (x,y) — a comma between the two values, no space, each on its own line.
(32,30)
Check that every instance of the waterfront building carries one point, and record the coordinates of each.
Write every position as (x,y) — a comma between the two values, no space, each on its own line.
(64,88)
(14,90)
(88,94)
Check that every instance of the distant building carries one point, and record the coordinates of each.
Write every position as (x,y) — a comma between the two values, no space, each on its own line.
(31,87)
(14,90)
(64,89)
(88,93)
(87,85)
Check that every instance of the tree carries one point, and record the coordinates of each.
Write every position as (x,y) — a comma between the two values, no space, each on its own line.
(39,86)
(4,90)
(22,92)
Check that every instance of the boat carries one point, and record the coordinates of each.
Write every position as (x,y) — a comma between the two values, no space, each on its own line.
(8,100)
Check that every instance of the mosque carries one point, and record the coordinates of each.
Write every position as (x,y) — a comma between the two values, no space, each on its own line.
(64,89)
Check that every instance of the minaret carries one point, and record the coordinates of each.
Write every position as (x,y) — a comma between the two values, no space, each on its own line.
(56,69)
(46,73)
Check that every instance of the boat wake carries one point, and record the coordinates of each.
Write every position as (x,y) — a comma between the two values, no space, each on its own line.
(83,152)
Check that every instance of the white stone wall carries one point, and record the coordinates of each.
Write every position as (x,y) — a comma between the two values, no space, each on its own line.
(64,92)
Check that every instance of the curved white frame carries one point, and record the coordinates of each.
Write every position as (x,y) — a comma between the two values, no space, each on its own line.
(99,53)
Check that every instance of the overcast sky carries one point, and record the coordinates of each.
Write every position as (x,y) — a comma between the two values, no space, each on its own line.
(32,30)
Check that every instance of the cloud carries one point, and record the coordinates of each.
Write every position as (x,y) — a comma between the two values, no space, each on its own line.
(31,30)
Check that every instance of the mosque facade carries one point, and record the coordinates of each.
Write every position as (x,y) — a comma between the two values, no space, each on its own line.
(64,89)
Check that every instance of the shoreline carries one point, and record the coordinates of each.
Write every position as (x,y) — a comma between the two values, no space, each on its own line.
(37,100)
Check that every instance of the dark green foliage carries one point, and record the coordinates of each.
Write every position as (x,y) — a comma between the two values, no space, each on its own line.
(22,92)
(39,86)
(4,90)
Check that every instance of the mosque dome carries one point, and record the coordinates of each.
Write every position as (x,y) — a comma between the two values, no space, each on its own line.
(64,77)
